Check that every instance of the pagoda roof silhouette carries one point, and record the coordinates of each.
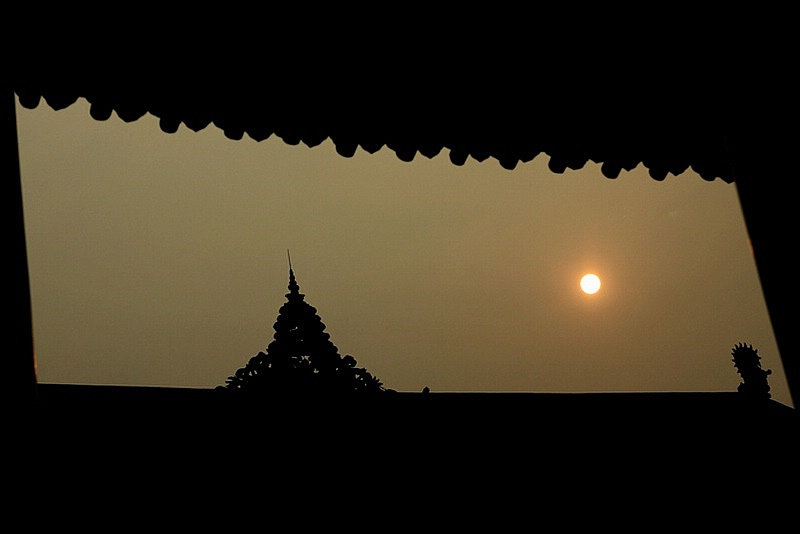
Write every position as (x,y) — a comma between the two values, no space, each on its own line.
(301,359)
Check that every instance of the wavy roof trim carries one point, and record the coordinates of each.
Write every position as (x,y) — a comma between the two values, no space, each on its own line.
(686,132)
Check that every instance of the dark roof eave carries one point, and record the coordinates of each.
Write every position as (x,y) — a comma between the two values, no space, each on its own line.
(617,139)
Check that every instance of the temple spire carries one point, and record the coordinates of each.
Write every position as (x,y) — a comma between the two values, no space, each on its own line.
(301,358)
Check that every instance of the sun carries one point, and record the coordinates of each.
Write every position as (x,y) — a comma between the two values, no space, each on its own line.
(590,284)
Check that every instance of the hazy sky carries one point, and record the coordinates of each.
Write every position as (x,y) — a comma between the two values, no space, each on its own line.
(160,259)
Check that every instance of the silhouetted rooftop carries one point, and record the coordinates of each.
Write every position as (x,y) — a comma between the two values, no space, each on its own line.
(648,408)
(585,450)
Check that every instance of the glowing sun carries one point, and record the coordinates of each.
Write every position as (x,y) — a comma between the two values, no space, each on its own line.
(590,284)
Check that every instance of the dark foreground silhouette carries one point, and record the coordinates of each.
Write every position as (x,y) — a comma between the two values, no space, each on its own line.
(301,412)
(384,443)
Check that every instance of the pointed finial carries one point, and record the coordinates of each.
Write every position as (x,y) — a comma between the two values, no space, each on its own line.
(294,288)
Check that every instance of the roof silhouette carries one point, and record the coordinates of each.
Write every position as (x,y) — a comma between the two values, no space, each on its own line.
(301,359)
